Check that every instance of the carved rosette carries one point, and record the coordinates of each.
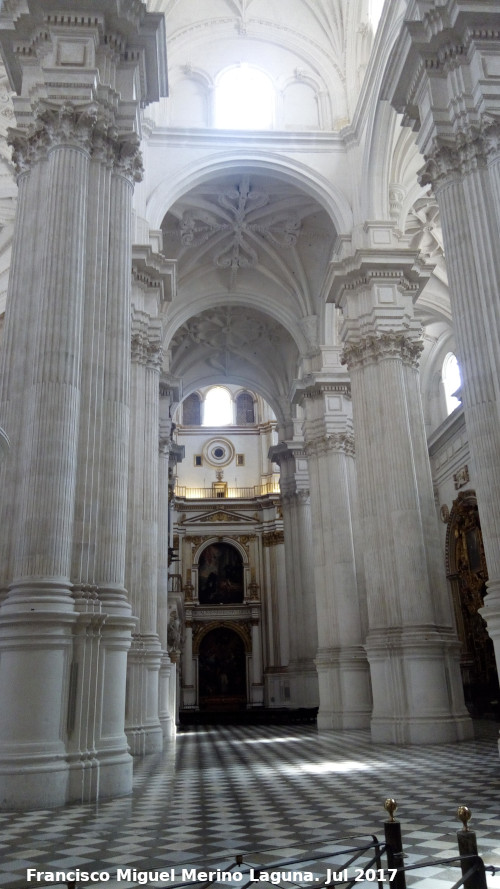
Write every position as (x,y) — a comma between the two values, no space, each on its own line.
(372,349)
(87,128)
(338,442)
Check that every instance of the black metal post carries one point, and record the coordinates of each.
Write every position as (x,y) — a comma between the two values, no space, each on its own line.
(394,850)
(467,846)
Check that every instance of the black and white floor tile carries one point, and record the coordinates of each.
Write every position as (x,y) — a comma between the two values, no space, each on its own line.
(270,794)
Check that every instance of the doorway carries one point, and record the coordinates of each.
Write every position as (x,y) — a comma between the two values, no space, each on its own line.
(222,678)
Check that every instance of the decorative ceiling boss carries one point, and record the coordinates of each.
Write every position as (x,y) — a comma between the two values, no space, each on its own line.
(235,230)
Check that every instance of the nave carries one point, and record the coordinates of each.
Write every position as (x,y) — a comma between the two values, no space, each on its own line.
(220,791)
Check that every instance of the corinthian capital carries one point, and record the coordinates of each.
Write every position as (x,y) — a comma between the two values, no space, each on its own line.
(90,128)
(472,149)
(338,442)
(128,158)
(372,349)
(54,126)
(67,124)
(146,345)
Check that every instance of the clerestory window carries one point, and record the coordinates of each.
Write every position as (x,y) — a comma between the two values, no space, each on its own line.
(244,99)
(218,407)
(451,381)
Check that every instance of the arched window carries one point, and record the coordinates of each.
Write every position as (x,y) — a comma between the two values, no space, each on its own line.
(245,412)
(191,410)
(244,99)
(451,381)
(218,407)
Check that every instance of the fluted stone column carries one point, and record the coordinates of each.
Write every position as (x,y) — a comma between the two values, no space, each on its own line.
(115,762)
(297,529)
(343,670)
(189,695)
(456,113)
(65,621)
(21,308)
(412,645)
(40,589)
(167,670)
(84,726)
(275,607)
(142,720)
(257,683)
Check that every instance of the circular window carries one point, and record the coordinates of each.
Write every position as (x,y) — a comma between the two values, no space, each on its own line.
(218,452)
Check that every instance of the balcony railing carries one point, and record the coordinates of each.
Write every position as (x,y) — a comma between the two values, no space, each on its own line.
(216,492)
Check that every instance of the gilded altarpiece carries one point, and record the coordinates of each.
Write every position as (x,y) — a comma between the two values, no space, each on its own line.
(468,573)
(222,614)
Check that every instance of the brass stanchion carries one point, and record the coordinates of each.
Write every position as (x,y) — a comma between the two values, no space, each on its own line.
(467,847)
(394,851)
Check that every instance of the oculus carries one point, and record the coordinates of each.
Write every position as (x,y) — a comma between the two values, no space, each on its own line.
(218,452)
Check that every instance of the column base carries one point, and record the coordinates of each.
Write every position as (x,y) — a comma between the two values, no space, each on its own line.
(143,741)
(101,776)
(303,678)
(415,730)
(35,652)
(115,774)
(344,689)
(256,695)
(40,782)
(417,688)
(189,698)
(277,688)
(167,696)
(142,725)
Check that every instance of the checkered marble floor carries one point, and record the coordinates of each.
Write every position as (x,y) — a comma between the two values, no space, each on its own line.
(268,793)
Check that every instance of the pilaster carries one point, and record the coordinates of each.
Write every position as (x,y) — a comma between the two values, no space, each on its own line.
(297,530)
(275,607)
(65,398)
(142,721)
(444,79)
(411,644)
(343,670)
(167,678)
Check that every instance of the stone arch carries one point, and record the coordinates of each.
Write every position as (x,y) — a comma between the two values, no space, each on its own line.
(191,89)
(182,312)
(329,196)
(240,628)
(293,94)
